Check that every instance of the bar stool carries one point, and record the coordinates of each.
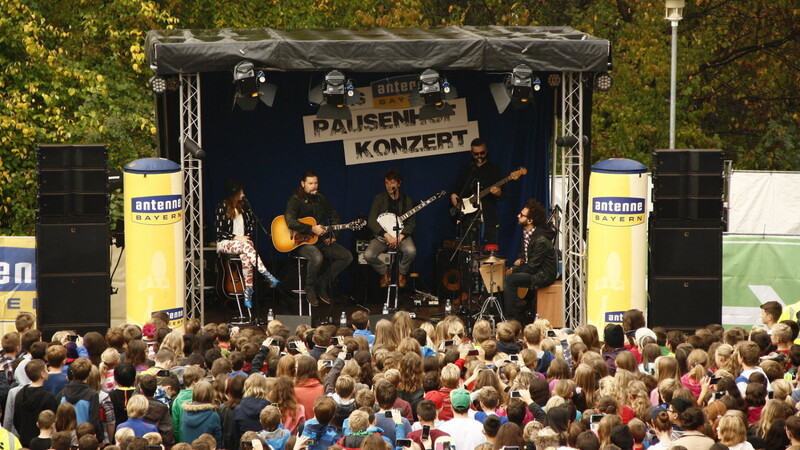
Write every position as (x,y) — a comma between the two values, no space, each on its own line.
(230,285)
(394,269)
(300,291)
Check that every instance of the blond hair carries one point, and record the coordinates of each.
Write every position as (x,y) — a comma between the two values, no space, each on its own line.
(256,386)
(137,406)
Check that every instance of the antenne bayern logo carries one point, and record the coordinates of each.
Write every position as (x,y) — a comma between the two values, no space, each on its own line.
(618,211)
(157,209)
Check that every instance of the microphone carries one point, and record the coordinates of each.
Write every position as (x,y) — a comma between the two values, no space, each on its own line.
(393,188)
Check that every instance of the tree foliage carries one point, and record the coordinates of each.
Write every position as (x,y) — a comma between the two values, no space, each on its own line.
(74,72)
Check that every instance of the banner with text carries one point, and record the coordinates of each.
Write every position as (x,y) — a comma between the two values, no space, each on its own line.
(757,269)
(384,126)
(17,279)
(375,122)
(410,144)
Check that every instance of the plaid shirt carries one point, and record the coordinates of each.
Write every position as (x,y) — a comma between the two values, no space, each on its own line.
(6,363)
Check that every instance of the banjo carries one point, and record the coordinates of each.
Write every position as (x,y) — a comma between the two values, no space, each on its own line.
(394,225)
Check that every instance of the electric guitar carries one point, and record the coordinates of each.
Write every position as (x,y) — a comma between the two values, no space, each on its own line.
(394,225)
(470,205)
(285,239)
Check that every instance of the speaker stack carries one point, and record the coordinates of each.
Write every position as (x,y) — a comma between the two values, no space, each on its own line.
(685,238)
(72,238)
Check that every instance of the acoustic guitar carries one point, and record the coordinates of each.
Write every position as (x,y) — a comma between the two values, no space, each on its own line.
(285,239)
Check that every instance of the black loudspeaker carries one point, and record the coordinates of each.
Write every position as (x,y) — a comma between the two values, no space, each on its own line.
(688,185)
(685,252)
(684,302)
(293,321)
(682,208)
(685,276)
(73,183)
(374,318)
(684,161)
(72,239)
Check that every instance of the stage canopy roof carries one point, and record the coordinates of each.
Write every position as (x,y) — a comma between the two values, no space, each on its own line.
(489,48)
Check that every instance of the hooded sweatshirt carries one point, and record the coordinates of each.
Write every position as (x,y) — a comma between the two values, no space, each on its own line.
(29,403)
(324,435)
(199,418)
(86,403)
(245,416)
(276,439)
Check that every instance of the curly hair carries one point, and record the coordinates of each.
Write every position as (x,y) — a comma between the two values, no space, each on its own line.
(411,372)
(283,394)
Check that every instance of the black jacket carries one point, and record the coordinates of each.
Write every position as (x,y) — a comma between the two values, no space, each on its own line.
(316,206)
(541,256)
(225,223)
(381,205)
(29,403)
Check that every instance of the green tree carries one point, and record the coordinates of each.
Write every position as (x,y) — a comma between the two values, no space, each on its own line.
(70,72)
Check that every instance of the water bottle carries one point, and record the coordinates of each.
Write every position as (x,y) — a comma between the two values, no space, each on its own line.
(385,308)
(270,315)
(448,307)
(343,320)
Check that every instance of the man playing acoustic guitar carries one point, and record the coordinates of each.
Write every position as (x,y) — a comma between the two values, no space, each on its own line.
(391,201)
(308,202)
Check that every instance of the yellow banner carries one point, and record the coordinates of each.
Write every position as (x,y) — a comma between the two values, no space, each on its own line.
(154,240)
(17,279)
(617,241)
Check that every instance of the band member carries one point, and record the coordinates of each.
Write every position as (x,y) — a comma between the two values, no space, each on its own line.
(235,229)
(308,202)
(397,203)
(480,169)
(536,266)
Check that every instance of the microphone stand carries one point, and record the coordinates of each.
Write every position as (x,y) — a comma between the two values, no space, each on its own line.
(254,318)
(477,217)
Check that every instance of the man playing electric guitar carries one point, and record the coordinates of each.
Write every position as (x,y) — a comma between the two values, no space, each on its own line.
(391,201)
(308,202)
(488,173)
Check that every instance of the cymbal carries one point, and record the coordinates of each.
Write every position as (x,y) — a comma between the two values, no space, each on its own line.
(492,259)
(469,248)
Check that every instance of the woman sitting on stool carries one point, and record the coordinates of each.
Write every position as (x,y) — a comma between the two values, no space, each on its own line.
(235,226)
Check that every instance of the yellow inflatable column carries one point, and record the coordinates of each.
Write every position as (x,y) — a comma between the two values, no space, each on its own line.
(617,241)
(154,240)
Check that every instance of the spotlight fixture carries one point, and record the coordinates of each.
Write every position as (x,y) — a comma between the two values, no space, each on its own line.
(195,150)
(432,94)
(157,84)
(517,88)
(554,79)
(570,141)
(335,96)
(603,82)
(251,86)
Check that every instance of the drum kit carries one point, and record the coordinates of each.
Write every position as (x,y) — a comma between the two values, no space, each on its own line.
(485,271)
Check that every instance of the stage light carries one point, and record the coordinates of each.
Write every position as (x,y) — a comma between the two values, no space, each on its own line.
(554,79)
(244,78)
(335,96)
(193,149)
(603,82)
(157,84)
(251,86)
(570,141)
(432,94)
(517,88)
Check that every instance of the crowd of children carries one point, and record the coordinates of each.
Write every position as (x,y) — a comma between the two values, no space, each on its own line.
(420,386)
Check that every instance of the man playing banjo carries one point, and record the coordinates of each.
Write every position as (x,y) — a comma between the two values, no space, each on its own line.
(390,232)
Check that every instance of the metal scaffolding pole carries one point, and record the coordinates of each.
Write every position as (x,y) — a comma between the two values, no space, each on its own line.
(574,215)
(190,128)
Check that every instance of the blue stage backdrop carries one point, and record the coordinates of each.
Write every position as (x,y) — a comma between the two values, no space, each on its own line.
(266,149)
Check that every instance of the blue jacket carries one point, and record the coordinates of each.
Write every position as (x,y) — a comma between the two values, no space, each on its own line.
(276,439)
(324,435)
(199,418)
(367,334)
(139,426)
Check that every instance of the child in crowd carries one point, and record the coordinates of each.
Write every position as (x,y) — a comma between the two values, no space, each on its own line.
(47,426)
